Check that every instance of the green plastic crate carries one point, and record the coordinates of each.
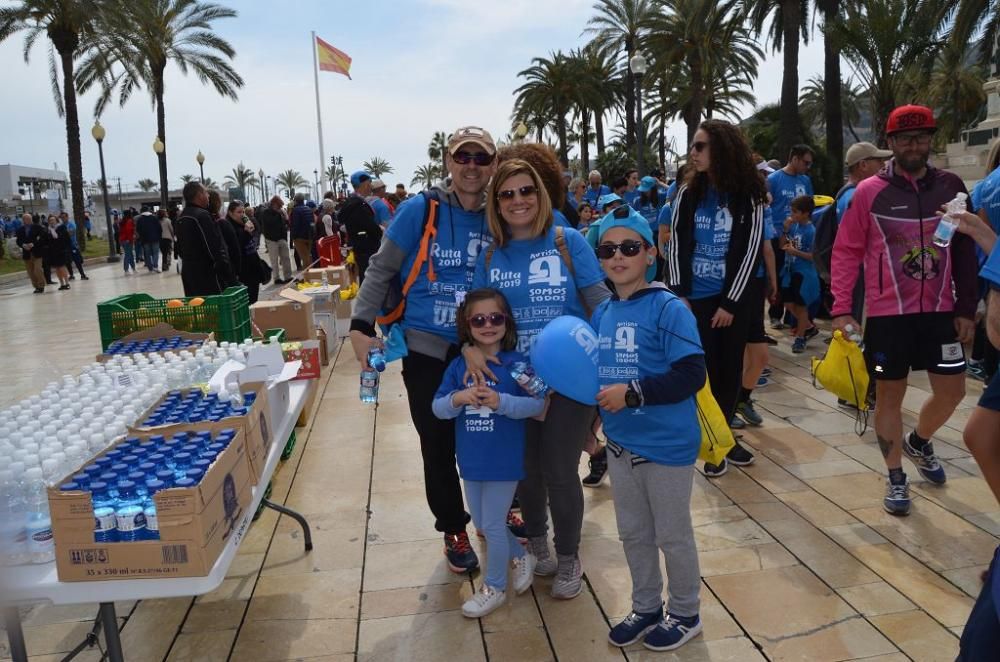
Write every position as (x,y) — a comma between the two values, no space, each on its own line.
(227,315)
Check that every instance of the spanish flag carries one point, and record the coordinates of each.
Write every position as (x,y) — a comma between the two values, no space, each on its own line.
(332,59)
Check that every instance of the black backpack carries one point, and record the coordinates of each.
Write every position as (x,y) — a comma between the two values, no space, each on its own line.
(826,235)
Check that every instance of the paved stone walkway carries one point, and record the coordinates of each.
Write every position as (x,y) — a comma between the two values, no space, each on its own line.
(799,561)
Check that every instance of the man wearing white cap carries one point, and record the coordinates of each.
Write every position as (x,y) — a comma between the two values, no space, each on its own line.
(383,211)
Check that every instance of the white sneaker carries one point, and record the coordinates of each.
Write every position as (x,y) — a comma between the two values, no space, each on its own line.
(486,600)
(524,573)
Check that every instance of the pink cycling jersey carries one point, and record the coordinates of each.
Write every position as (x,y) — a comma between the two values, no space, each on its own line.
(887,229)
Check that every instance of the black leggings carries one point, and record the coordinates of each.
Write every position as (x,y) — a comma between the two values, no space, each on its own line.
(723,350)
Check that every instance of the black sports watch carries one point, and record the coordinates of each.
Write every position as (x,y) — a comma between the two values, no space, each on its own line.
(632,397)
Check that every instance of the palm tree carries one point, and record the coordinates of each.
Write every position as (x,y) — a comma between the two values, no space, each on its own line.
(210,184)
(956,89)
(813,105)
(426,175)
(619,27)
(788,24)
(437,148)
(551,83)
(71,26)
(291,180)
(377,166)
(242,178)
(972,17)
(834,107)
(886,41)
(146,185)
(143,37)
(187,178)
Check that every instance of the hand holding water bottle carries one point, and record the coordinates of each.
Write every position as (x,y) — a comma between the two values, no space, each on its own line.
(950,220)
(849,326)
(974,226)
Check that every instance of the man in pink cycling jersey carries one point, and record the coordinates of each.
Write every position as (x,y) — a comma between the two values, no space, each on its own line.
(920,297)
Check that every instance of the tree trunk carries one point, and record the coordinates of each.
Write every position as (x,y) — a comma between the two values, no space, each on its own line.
(563,139)
(662,143)
(832,92)
(630,134)
(693,117)
(599,132)
(161,130)
(585,139)
(790,124)
(73,142)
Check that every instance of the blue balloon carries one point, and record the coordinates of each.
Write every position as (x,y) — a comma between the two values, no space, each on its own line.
(565,356)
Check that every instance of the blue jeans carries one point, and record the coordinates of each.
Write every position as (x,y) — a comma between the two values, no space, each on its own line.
(489,502)
(129,259)
(152,255)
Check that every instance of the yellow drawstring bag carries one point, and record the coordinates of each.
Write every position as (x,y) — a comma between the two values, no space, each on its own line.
(843,372)
(716,437)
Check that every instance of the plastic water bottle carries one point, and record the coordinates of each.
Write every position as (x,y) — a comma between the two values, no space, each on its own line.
(105,521)
(38,523)
(525,376)
(128,513)
(13,538)
(153,486)
(949,222)
(376,358)
(369,385)
(854,336)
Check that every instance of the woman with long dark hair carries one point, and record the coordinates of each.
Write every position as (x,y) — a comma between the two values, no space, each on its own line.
(716,230)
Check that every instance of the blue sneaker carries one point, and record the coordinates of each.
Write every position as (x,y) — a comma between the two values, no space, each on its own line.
(926,461)
(798,345)
(461,557)
(672,633)
(736,423)
(897,499)
(634,627)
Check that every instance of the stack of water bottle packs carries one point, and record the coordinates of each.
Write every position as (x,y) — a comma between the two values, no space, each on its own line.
(194,406)
(167,344)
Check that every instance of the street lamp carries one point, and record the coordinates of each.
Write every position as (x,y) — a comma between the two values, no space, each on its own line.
(316,177)
(159,148)
(520,132)
(98,132)
(201,165)
(263,185)
(637,63)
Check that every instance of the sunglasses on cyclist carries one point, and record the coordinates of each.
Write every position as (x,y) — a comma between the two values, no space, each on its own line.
(523,191)
(493,319)
(629,248)
(479,158)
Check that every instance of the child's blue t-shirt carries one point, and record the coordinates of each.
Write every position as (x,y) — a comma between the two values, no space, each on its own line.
(488,445)
(802,237)
(643,337)
(784,188)
(537,283)
(713,223)
(461,235)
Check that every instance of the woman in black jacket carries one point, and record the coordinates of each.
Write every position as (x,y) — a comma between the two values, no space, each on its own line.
(59,247)
(242,240)
(716,230)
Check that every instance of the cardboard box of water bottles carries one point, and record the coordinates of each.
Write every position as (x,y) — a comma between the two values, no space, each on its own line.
(181,536)
(160,339)
(256,423)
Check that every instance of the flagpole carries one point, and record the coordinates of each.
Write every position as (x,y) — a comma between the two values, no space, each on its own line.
(319,115)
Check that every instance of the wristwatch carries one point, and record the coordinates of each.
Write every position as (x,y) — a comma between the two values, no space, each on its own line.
(632,397)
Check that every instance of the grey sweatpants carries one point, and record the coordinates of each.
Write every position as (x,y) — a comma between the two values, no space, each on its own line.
(551,466)
(653,509)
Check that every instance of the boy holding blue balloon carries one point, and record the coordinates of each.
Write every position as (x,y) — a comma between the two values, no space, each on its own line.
(651,365)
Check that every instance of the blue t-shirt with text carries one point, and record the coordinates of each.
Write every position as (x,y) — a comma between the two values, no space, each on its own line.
(461,235)
(986,195)
(784,188)
(713,223)
(537,283)
(643,337)
(592,196)
(651,212)
(801,237)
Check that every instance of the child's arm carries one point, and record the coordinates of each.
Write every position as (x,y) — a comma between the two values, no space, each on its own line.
(520,406)
(792,250)
(444,408)
(685,377)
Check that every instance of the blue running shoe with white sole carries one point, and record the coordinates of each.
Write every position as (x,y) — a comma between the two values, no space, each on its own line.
(925,459)
(634,627)
(672,633)
(897,498)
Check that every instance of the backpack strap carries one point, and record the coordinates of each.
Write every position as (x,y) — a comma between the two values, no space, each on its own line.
(423,256)
(564,249)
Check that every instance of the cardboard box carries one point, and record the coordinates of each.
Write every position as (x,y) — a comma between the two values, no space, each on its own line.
(324,353)
(324,298)
(266,364)
(292,312)
(311,392)
(327,322)
(161,330)
(334,276)
(257,427)
(345,309)
(195,525)
(308,353)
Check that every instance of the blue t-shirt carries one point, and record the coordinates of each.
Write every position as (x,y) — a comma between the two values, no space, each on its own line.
(672,191)
(713,223)
(71,228)
(559,219)
(650,212)
(643,337)
(592,196)
(769,234)
(844,201)
(630,197)
(461,236)
(488,445)
(536,282)
(986,195)
(802,237)
(382,212)
(784,188)
(991,269)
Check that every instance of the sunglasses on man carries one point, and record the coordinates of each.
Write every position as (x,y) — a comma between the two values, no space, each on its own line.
(479,158)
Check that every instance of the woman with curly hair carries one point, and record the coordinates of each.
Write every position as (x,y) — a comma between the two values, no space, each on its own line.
(716,230)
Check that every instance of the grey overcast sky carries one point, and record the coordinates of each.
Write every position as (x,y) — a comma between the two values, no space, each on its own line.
(418,66)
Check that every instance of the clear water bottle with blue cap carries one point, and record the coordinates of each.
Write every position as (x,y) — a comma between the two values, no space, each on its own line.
(948,224)
(129,513)
(376,358)
(369,385)
(153,485)
(105,520)
(525,376)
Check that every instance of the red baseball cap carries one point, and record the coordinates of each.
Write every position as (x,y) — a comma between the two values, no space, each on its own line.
(910,118)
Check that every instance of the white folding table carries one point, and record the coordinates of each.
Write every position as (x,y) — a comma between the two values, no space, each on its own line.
(32,584)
